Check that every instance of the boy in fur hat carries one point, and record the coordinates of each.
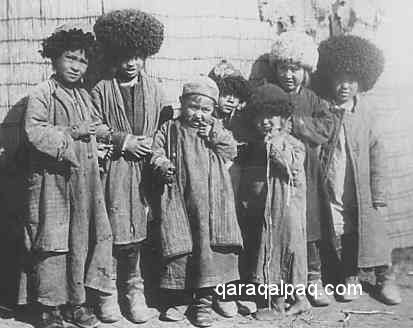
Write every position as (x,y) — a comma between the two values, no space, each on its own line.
(354,166)
(199,233)
(293,57)
(274,195)
(68,230)
(130,103)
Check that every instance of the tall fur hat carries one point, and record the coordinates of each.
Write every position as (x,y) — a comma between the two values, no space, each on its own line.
(295,47)
(352,55)
(129,32)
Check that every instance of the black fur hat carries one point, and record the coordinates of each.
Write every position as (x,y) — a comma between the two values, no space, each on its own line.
(129,32)
(352,55)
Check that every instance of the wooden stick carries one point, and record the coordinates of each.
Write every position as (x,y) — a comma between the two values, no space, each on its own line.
(366,312)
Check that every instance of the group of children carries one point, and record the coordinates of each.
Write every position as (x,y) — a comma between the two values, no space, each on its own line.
(244,183)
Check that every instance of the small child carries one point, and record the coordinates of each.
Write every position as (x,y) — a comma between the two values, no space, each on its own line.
(274,195)
(353,164)
(199,234)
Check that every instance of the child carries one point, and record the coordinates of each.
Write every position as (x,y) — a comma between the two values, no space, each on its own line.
(274,194)
(234,93)
(67,224)
(199,233)
(294,56)
(130,102)
(354,166)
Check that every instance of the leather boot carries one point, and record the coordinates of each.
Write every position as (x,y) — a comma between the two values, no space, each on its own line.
(387,290)
(200,311)
(353,289)
(49,317)
(132,285)
(316,294)
(108,310)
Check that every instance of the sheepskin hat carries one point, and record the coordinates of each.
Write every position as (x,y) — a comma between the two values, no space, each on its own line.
(269,98)
(295,47)
(351,55)
(67,38)
(129,32)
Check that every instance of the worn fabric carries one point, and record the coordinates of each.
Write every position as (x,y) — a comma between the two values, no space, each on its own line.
(203,193)
(64,203)
(341,186)
(124,177)
(313,125)
(365,151)
(275,222)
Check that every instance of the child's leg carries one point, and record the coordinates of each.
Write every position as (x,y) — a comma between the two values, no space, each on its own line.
(200,312)
(170,299)
(130,282)
(108,310)
(314,275)
(50,286)
(387,290)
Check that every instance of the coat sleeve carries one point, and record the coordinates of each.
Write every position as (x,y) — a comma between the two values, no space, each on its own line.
(106,135)
(49,139)
(377,169)
(317,127)
(223,142)
(159,156)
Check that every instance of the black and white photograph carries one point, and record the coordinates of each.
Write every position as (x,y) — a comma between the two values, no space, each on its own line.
(206,163)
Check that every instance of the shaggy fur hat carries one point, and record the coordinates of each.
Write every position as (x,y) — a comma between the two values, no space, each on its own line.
(64,39)
(352,55)
(271,99)
(129,32)
(295,47)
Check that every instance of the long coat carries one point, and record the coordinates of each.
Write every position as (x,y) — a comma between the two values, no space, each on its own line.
(275,212)
(64,194)
(313,125)
(124,184)
(199,233)
(365,150)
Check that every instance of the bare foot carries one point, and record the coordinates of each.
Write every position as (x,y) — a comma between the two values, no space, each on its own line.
(301,305)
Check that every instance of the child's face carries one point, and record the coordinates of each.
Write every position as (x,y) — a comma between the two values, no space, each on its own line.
(71,65)
(345,88)
(129,68)
(290,76)
(197,109)
(228,103)
(268,124)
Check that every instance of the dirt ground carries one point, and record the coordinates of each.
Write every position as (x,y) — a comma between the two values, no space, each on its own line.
(329,317)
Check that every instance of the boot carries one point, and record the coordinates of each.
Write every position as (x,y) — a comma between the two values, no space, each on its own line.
(131,282)
(301,305)
(80,315)
(316,294)
(353,289)
(108,310)
(226,308)
(200,311)
(387,290)
(49,317)
(246,307)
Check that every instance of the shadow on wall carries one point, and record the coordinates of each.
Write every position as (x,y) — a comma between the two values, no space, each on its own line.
(11,202)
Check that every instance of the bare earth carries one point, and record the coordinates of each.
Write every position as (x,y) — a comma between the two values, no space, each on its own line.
(329,317)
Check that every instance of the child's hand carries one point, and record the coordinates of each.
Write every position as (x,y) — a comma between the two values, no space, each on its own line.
(167,171)
(204,129)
